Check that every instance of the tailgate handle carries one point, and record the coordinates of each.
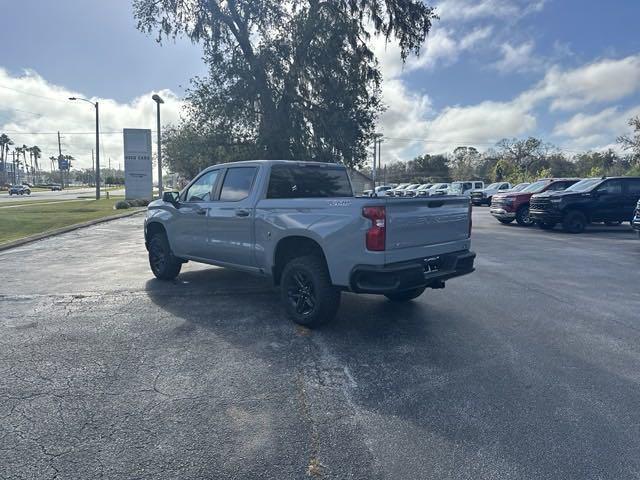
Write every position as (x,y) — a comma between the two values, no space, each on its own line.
(436,204)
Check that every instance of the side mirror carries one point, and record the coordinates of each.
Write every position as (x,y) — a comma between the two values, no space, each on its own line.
(171,197)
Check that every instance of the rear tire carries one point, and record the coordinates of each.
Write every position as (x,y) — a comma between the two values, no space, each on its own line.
(522,216)
(306,291)
(506,221)
(405,296)
(574,222)
(164,264)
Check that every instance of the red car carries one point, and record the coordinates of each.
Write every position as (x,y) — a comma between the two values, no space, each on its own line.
(510,206)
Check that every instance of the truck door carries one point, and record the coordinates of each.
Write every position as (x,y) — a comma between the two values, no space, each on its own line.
(230,227)
(609,202)
(631,197)
(189,229)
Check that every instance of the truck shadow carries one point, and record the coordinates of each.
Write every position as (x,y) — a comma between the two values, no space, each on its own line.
(426,376)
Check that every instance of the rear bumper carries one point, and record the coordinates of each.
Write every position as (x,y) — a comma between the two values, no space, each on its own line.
(423,272)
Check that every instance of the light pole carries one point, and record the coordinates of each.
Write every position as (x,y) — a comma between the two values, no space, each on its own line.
(95,104)
(156,98)
(376,139)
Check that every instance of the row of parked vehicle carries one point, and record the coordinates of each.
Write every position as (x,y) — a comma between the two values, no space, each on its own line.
(573,203)
(425,189)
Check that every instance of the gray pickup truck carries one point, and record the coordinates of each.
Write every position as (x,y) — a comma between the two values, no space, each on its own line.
(299,224)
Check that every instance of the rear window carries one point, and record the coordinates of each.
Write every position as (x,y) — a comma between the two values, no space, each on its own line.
(309,181)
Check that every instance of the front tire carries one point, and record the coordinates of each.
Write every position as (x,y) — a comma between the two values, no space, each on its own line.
(164,264)
(306,291)
(574,222)
(522,216)
(405,296)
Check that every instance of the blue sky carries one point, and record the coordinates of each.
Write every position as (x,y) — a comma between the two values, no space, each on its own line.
(565,70)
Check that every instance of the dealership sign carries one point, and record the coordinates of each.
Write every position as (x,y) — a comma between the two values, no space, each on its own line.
(138,179)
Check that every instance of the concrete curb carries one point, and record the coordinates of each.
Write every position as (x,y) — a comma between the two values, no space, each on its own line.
(70,228)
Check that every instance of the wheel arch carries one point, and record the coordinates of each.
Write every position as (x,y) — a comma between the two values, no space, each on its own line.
(290,247)
(151,229)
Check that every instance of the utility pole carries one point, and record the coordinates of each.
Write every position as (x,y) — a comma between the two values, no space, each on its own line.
(13,156)
(376,140)
(156,98)
(93,165)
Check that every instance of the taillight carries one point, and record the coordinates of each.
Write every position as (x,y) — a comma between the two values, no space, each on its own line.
(377,232)
(470,218)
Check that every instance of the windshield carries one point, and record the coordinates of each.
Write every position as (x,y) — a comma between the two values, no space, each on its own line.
(536,187)
(584,185)
(493,185)
(520,187)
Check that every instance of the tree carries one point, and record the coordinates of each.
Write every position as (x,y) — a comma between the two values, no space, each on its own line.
(37,153)
(632,142)
(5,141)
(525,154)
(463,162)
(295,78)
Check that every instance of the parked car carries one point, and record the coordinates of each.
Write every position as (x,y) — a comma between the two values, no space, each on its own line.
(299,224)
(483,196)
(465,188)
(56,187)
(423,190)
(635,222)
(609,200)
(509,206)
(519,187)
(439,189)
(19,190)
(380,190)
(395,192)
(410,191)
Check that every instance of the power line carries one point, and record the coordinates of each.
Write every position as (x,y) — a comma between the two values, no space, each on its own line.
(33,94)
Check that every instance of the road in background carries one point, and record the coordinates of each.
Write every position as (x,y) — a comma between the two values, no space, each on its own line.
(527,369)
(58,195)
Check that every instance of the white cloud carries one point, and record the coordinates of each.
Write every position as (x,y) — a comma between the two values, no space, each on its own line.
(592,131)
(467,10)
(519,58)
(30,104)
(602,81)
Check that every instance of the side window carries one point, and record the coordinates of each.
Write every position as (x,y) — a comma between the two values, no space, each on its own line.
(202,189)
(611,187)
(557,186)
(237,184)
(633,186)
(504,186)
(478,185)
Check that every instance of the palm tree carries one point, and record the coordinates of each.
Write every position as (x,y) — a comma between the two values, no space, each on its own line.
(37,153)
(5,141)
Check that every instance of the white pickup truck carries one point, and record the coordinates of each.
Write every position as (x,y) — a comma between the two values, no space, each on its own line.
(299,224)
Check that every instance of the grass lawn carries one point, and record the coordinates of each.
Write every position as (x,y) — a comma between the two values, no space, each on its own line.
(28,220)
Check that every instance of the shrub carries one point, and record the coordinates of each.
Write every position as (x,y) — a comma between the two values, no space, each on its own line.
(121,205)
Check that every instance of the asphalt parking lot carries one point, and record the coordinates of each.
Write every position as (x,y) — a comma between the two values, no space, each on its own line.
(527,369)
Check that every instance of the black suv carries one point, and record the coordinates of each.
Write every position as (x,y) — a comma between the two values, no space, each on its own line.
(610,200)
(635,223)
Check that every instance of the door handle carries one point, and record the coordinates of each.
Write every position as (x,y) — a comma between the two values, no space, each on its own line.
(241,212)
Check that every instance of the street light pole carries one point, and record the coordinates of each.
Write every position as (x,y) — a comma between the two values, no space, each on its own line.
(156,98)
(376,139)
(95,105)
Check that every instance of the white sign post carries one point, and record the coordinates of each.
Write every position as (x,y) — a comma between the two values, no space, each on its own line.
(138,177)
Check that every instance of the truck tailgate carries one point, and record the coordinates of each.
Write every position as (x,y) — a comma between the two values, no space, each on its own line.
(417,224)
